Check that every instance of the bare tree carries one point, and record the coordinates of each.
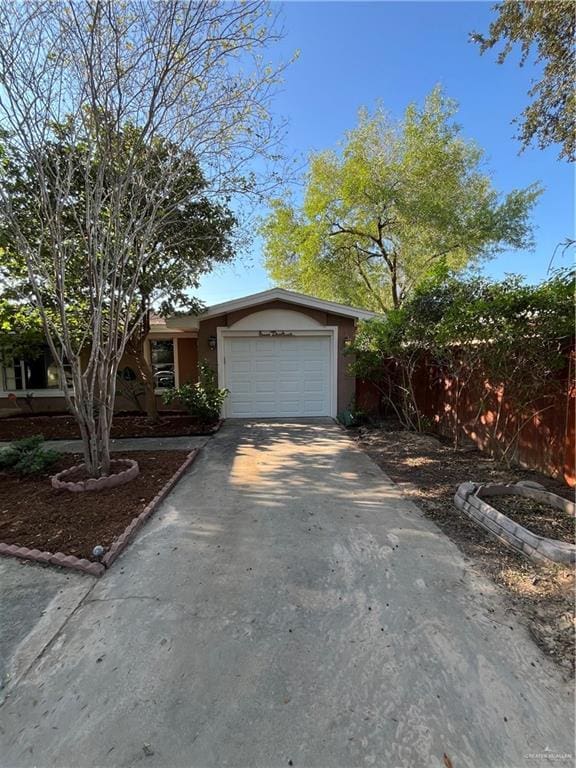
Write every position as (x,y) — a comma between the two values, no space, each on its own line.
(190,74)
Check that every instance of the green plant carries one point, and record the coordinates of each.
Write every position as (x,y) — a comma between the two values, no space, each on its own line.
(382,356)
(478,335)
(27,456)
(204,399)
(352,416)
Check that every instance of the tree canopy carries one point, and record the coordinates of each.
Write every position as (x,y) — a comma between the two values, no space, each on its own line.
(196,233)
(111,110)
(546,29)
(396,203)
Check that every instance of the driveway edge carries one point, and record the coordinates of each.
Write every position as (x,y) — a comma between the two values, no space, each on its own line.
(120,544)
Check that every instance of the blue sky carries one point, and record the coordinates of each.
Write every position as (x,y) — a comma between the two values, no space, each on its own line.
(353,54)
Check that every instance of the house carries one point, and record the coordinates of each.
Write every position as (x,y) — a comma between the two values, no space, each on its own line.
(280,353)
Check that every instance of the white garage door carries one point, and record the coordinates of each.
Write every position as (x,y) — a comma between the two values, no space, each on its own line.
(281,376)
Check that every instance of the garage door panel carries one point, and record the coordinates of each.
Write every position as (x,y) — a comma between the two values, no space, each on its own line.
(312,346)
(242,413)
(240,346)
(288,387)
(313,365)
(313,387)
(319,374)
(262,366)
(287,364)
(241,409)
(292,377)
(288,376)
(290,408)
(263,373)
(243,388)
(264,405)
(263,347)
(261,387)
(239,366)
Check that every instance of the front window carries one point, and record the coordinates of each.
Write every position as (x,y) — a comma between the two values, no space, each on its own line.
(23,373)
(162,357)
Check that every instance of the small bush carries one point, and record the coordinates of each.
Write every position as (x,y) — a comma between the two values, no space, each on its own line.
(204,399)
(27,456)
(352,416)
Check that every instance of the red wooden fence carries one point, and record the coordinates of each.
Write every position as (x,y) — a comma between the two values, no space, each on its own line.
(542,439)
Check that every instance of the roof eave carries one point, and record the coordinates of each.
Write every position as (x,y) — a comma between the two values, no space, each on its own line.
(291,297)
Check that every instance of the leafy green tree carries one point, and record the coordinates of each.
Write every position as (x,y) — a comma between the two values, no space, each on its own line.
(21,330)
(548,29)
(195,235)
(396,204)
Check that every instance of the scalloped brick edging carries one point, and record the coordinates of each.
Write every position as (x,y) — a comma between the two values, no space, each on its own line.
(469,499)
(95,483)
(65,561)
(118,545)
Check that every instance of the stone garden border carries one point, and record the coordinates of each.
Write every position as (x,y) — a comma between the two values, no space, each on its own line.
(118,545)
(95,484)
(469,498)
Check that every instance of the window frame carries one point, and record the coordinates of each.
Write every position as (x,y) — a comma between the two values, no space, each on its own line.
(20,362)
(174,340)
(4,393)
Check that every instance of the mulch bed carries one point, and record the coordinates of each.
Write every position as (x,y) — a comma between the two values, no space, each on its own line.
(429,471)
(34,515)
(64,427)
(539,518)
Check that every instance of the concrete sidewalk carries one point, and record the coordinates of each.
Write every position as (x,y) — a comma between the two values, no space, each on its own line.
(286,606)
(35,603)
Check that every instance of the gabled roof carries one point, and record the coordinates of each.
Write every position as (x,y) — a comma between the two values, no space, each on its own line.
(190,323)
(292,297)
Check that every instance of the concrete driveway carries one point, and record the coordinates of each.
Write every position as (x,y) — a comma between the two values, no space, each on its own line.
(287,606)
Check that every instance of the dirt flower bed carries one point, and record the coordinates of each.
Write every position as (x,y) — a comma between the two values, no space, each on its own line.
(539,518)
(34,515)
(64,427)
(429,472)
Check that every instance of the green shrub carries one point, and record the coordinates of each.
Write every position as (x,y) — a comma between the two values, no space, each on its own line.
(352,416)
(204,399)
(27,456)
